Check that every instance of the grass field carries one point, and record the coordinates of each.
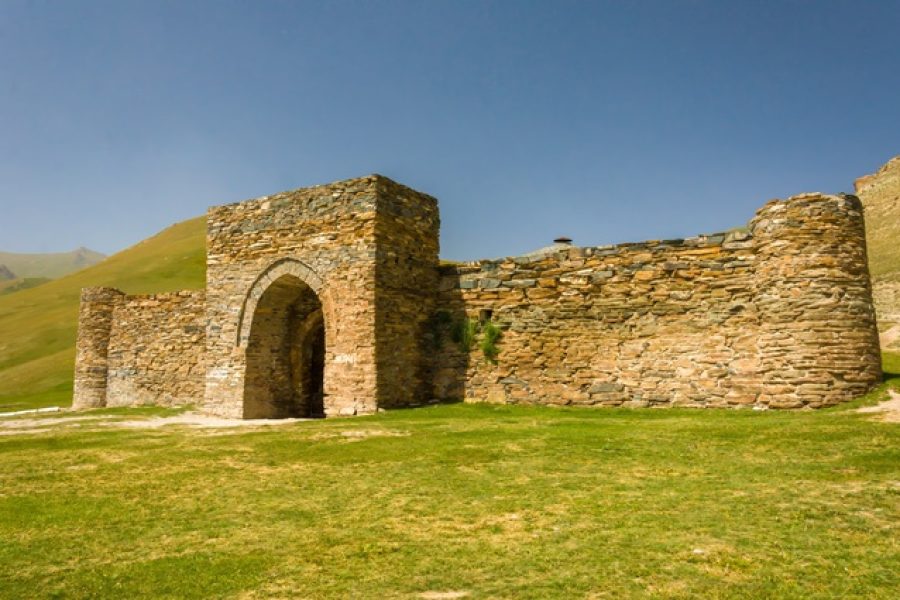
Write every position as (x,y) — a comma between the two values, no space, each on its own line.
(490,502)
(497,502)
(38,325)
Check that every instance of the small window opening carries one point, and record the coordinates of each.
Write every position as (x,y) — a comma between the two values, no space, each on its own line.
(484,315)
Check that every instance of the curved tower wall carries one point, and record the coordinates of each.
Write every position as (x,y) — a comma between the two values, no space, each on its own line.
(95,320)
(817,341)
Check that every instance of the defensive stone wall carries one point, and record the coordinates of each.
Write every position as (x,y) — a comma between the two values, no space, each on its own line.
(139,350)
(780,316)
(156,350)
(406,236)
(330,301)
(818,337)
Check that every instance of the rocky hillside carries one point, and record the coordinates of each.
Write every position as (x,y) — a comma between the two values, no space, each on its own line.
(880,194)
(6,274)
(50,265)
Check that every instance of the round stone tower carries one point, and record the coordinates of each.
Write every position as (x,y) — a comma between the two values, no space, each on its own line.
(818,341)
(91,364)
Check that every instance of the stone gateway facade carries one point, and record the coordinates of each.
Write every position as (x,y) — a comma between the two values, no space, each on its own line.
(331,300)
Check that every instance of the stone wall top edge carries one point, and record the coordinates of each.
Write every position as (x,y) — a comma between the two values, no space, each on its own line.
(777,203)
(198,294)
(100,291)
(387,182)
(706,240)
(366,181)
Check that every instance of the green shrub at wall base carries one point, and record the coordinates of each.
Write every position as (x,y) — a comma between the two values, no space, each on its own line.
(464,333)
(490,335)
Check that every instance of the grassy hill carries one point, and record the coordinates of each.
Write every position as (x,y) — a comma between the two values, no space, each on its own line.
(38,325)
(880,195)
(51,265)
(21,283)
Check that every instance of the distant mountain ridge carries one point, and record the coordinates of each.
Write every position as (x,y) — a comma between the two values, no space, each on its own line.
(49,265)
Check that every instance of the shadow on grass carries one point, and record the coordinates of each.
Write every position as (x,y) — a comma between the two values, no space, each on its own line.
(890,365)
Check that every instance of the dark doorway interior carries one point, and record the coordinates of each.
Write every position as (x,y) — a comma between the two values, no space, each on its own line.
(286,353)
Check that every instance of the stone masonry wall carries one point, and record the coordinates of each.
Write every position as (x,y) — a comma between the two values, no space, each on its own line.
(157,350)
(635,324)
(406,234)
(818,337)
(137,350)
(92,346)
(780,317)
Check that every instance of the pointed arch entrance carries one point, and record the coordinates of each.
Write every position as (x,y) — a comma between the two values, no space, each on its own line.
(283,332)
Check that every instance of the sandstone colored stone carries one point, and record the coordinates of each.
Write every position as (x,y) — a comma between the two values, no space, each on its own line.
(693,323)
(330,301)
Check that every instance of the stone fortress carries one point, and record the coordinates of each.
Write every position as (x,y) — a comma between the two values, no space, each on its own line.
(331,300)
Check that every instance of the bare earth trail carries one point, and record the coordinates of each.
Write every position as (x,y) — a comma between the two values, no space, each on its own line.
(888,411)
(889,337)
(190,419)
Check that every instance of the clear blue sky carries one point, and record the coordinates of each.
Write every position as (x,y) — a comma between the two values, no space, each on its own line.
(603,121)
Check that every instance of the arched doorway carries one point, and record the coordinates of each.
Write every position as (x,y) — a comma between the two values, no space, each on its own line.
(285,353)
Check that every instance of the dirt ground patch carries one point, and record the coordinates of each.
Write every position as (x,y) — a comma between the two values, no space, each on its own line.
(889,337)
(888,410)
(200,420)
(9,426)
(191,419)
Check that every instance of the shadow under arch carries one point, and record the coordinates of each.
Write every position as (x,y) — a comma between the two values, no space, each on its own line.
(283,333)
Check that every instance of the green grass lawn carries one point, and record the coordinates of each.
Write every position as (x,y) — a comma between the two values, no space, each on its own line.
(499,502)
(890,364)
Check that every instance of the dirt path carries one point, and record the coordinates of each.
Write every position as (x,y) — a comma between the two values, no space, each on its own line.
(888,411)
(889,337)
(200,420)
(191,419)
